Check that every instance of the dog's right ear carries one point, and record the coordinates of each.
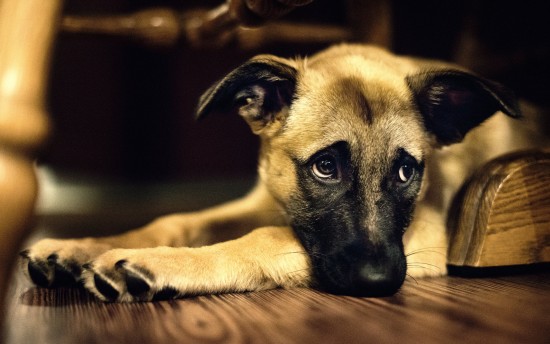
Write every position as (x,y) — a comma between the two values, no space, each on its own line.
(453,102)
(260,90)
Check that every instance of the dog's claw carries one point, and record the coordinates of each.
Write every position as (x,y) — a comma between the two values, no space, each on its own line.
(136,285)
(64,277)
(50,273)
(167,293)
(52,258)
(39,274)
(105,288)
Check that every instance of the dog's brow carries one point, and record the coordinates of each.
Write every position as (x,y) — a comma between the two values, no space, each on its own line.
(303,159)
(352,86)
(364,104)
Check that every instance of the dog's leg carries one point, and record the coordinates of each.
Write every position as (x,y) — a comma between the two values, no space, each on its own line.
(426,243)
(58,262)
(266,258)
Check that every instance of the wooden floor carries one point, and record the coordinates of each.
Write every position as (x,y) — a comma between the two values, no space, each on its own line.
(512,309)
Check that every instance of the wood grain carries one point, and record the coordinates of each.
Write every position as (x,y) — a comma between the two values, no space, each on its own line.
(511,309)
(165,27)
(504,216)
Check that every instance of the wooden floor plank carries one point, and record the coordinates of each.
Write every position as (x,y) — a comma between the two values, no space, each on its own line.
(513,309)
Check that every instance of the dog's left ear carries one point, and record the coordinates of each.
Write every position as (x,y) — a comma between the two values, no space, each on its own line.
(259,91)
(453,102)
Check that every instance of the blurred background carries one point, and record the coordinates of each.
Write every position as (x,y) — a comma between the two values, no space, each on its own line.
(123,107)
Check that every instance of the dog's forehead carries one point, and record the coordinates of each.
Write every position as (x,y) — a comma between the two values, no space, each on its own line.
(365,104)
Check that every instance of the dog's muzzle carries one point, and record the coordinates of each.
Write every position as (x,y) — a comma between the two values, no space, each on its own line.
(356,271)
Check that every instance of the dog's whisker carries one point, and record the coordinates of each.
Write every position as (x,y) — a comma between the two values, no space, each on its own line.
(293,252)
(300,273)
(315,254)
(411,277)
(422,265)
(426,266)
(429,248)
(436,250)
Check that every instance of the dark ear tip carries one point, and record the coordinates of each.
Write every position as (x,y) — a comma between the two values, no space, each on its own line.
(514,110)
(505,97)
(204,104)
(516,113)
(205,109)
(201,111)
(199,114)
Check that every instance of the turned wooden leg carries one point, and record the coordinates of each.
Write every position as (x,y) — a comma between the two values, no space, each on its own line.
(27,29)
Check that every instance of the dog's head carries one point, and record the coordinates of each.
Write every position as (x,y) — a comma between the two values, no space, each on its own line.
(345,135)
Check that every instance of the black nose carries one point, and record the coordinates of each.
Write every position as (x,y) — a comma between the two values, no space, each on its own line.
(379,279)
(364,279)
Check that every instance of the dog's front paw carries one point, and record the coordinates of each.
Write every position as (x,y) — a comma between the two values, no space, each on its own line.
(127,275)
(244,264)
(52,263)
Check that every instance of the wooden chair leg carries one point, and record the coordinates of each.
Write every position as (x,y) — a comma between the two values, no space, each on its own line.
(502,219)
(27,29)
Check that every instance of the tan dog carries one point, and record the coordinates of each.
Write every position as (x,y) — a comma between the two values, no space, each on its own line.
(350,153)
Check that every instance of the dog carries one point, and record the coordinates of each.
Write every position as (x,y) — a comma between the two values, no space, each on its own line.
(361,153)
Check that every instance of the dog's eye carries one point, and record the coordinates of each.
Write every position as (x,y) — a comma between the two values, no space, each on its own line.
(326,167)
(405,173)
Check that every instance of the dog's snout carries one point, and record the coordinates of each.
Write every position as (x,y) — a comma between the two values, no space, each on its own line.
(366,279)
(350,273)
(379,280)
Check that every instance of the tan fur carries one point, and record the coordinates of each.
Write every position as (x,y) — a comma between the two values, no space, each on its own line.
(328,108)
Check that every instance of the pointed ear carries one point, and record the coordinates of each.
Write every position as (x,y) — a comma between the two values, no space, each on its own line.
(259,91)
(453,102)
